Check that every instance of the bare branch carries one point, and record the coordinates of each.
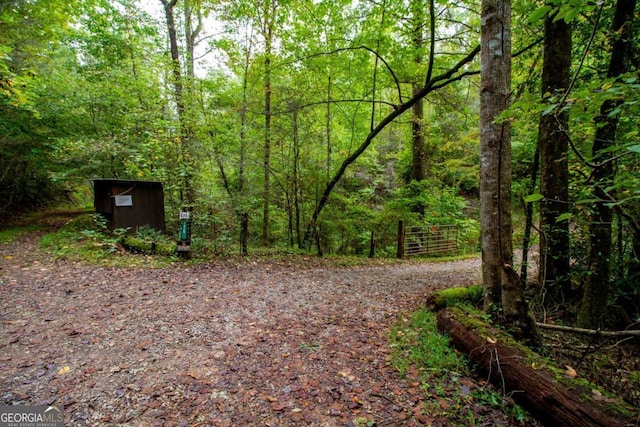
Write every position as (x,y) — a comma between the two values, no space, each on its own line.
(596,332)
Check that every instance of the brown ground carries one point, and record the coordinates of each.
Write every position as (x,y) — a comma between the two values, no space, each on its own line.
(228,343)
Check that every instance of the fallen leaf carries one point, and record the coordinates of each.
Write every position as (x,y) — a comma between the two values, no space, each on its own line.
(278,407)
(144,345)
(63,370)
(570,372)
(444,404)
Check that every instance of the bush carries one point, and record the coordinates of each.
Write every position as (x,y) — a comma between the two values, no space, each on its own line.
(149,241)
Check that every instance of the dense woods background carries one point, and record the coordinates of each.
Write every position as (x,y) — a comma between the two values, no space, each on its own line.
(320,122)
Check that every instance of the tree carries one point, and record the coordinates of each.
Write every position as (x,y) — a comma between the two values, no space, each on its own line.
(553,140)
(437,82)
(267,21)
(390,78)
(598,286)
(29,33)
(502,286)
(419,148)
(177,82)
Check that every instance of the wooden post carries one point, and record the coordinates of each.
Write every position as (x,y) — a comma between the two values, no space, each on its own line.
(244,231)
(400,251)
(184,241)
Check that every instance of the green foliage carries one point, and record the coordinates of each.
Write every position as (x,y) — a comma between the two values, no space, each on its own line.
(415,341)
(567,10)
(149,241)
(84,93)
(86,238)
(442,204)
(28,30)
(11,234)
(417,345)
(100,101)
(363,422)
(492,398)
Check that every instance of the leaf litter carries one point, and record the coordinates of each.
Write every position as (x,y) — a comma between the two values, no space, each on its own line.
(228,343)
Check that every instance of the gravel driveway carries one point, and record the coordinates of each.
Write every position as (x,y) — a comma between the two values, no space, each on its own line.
(228,343)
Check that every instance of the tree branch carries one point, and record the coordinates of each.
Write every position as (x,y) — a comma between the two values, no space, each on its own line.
(437,82)
(596,332)
(362,47)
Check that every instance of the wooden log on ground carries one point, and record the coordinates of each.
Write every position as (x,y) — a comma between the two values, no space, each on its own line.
(511,367)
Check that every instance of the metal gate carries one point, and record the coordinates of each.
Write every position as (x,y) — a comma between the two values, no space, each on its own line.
(426,239)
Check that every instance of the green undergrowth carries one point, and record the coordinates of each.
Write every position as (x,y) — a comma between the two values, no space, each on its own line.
(426,358)
(475,319)
(149,241)
(416,341)
(11,234)
(86,238)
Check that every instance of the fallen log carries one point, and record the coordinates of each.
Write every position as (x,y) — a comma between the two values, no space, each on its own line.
(541,390)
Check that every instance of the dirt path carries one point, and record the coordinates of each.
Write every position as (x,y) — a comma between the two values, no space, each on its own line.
(222,344)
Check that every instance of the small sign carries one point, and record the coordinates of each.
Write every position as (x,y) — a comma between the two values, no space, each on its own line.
(124,200)
(184,230)
(183,248)
(185,215)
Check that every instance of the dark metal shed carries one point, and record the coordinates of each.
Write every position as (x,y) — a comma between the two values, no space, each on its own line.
(129,203)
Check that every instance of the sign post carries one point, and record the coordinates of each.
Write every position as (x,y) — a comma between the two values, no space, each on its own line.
(184,238)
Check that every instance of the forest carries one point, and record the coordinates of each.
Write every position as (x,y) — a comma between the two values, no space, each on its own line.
(317,126)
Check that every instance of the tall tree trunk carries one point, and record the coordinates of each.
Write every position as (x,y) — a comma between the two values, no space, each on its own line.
(494,146)
(526,239)
(420,155)
(244,215)
(597,288)
(266,194)
(328,126)
(267,28)
(502,285)
(178,88)
(132,57)
(191,34)
(553,141)
(418,148)
(296,173)
(418,161)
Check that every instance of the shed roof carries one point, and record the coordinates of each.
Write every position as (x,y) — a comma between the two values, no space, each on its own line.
(122,181)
